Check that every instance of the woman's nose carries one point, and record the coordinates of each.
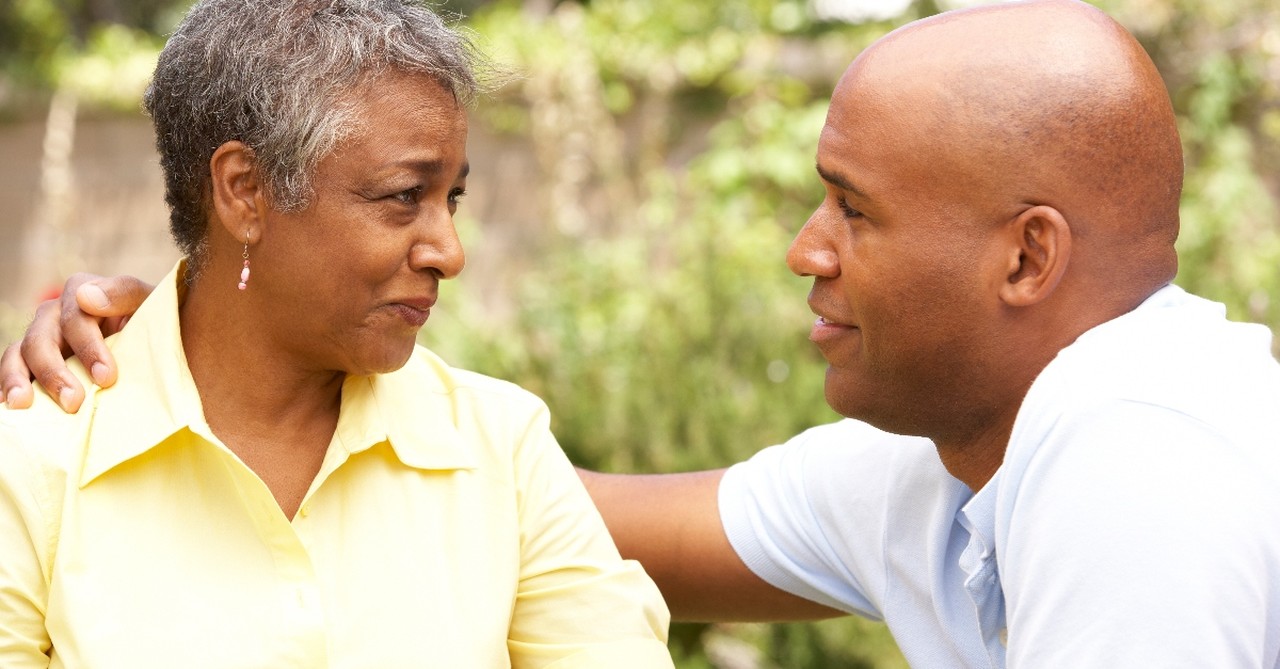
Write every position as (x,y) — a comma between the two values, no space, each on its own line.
(440,252)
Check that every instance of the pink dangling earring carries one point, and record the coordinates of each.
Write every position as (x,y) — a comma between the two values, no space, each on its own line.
(244,273)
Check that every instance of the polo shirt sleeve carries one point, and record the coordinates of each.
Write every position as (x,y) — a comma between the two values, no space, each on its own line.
(579,604)
(808,516)
(25,536)
(1141,537)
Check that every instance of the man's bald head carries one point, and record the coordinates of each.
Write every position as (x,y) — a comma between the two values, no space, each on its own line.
(998,181)
(1041,102)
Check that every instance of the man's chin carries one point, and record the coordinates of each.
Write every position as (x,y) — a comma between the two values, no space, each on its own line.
(857,398)
(845,395)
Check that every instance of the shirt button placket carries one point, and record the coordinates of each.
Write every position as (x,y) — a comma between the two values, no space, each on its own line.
(301,602)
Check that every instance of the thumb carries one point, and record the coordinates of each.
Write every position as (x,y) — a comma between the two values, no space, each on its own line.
(113,296)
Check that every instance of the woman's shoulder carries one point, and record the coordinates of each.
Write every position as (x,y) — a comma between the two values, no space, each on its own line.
(43,436)
(41,448)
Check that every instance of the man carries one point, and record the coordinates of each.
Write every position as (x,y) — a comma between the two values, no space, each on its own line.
(1096,480)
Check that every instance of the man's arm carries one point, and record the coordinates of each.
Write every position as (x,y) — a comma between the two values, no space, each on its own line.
(670,523)
(90,309)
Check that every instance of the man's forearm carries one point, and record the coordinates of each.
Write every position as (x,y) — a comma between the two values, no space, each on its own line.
(670,523)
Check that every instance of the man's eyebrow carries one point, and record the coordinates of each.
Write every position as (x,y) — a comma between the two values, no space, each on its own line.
(839,181)
(466,169)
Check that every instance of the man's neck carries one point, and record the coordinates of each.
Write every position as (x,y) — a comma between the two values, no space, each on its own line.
(975,455)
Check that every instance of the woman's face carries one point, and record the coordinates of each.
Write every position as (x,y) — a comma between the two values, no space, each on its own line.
(350,279)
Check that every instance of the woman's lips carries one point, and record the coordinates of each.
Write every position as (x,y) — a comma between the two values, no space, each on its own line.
(411,314)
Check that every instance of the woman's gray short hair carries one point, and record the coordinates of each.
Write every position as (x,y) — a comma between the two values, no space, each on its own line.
(278,75)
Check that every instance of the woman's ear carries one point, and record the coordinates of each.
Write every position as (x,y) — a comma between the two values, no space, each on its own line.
(1039,250)
(237,191)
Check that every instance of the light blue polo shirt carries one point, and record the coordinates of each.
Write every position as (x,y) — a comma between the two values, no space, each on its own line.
(1135,521)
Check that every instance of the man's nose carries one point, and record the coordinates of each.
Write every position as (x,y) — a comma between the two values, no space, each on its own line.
(811,253)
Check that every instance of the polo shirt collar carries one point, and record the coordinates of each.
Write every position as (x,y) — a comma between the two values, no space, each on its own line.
(155,397)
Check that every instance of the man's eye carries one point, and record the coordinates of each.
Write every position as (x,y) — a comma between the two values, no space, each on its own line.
(456,194)
(849,212)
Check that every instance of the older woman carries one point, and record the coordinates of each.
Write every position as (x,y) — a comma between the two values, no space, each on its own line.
(280,477)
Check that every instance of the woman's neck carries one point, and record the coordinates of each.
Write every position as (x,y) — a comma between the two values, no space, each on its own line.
(272,411)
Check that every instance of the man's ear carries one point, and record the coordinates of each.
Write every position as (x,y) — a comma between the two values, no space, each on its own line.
(1039,250)
(237,191)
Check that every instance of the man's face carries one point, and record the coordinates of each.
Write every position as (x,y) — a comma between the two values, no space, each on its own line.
(899,257)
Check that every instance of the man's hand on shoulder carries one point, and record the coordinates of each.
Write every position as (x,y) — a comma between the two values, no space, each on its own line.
(90,309)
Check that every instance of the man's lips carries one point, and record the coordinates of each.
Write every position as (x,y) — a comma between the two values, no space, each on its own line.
(826,330)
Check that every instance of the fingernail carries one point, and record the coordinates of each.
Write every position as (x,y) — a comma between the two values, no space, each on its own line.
(64,398)
(95,295)
(99,373)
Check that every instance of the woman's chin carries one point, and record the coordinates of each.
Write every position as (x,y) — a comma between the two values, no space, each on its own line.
(385,360)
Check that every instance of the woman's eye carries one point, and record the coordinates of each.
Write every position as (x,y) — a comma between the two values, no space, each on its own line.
(408,195)
(849,212)
(455,195)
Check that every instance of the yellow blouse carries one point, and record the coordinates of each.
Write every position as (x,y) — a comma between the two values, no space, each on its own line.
(445,529)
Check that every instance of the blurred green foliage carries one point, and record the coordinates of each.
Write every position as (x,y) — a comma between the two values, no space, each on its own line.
(102,51)
(675,147)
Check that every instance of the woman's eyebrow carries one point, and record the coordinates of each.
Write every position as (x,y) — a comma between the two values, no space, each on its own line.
(431,166)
